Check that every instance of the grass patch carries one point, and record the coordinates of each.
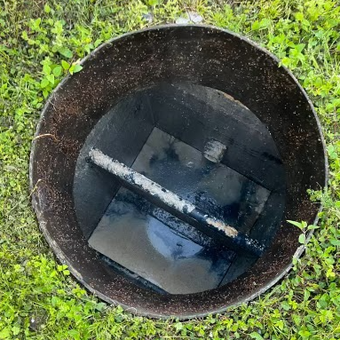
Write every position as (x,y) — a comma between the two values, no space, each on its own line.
(40,42)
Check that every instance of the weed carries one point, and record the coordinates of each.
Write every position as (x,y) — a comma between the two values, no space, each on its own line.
(41,42)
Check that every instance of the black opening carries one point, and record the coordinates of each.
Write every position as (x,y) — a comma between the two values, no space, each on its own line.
(206,147)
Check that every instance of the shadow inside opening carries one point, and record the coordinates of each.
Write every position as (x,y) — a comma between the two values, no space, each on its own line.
(171,133)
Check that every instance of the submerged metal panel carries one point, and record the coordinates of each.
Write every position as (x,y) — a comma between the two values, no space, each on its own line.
(131,234)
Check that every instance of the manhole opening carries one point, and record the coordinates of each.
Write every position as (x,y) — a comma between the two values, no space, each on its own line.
(205,147)
(131,138)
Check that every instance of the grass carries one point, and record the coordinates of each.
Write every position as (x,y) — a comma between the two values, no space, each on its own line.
(40,42)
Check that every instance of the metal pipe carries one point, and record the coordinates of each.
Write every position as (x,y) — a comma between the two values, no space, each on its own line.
(184,208)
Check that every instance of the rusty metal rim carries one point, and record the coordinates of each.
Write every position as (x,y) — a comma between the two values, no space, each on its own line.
(59,254)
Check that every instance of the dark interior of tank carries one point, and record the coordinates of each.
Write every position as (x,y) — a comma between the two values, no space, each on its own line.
(206,147)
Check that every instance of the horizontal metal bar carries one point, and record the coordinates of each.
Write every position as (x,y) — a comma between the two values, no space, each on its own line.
(171,200)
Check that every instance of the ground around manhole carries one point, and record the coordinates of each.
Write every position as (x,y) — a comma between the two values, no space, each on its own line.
(42,41)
